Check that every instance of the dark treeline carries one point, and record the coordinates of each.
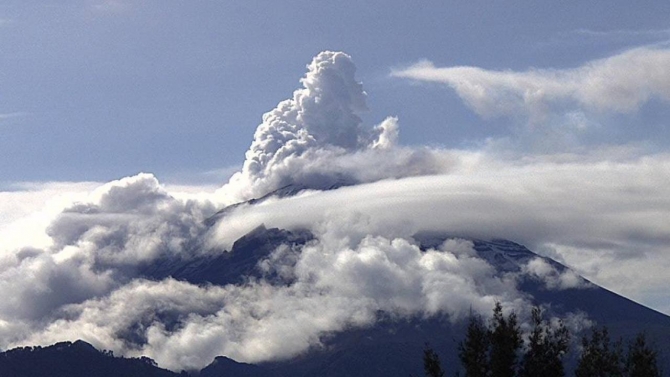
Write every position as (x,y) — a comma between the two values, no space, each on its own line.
(497,348)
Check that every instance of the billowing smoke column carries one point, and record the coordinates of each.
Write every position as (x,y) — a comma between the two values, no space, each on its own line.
(323,113)
(316,139)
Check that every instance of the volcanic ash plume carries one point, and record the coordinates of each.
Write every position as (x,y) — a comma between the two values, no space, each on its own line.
(316,139)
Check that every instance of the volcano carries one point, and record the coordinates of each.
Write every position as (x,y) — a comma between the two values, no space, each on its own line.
(333,251)
(392,344)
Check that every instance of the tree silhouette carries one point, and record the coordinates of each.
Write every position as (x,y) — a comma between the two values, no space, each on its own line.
(546,347)
(431,363)
(493,350)
(600,357)
(505,338)
(641,359)
(473,350)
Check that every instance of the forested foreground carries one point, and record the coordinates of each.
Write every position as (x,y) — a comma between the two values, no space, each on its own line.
(497,348)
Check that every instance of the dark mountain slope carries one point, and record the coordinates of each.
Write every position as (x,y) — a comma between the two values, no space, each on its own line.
(78,359)
(230,267)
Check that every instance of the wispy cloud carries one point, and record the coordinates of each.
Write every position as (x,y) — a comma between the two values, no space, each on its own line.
(8,116)
(110,6)
(621,35)
(619,84)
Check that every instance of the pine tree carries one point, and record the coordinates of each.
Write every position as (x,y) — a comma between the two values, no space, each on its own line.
(505,338)
(473,350)
(546,348)
(641,359)
(600,357)
(431,363)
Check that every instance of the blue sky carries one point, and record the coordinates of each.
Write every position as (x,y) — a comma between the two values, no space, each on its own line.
(97,90)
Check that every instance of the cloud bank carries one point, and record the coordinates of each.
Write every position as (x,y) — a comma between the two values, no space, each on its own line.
(79,275)
(336,287)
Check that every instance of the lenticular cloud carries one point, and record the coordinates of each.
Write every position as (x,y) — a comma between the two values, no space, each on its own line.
(89,281)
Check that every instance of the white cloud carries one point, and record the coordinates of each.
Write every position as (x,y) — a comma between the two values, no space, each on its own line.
(552,278)
(620,84)
(26,209)
(59,256)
